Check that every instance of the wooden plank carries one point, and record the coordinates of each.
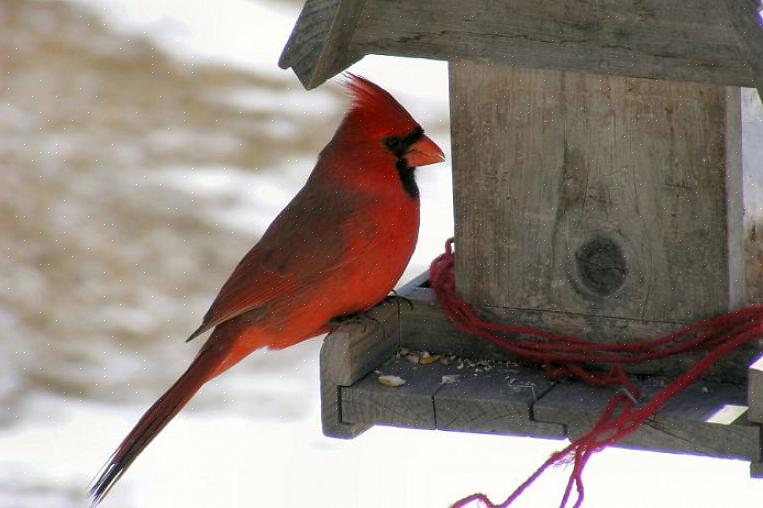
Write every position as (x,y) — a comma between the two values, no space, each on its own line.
(498,397)
(410,405)
(621,184)
(747,19)
(630,192)
(691,40)
(755,391)
(318,47)
(424,327)
(484,396)
(706,419)
(348,353)
(498,401)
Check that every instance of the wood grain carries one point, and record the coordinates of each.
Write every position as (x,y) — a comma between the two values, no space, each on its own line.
(587,159)
(691,40)
(319,45)
(410,405)
(494,401)
(601,196)
(348,353)
(705,419)
(423,326)
(503,397)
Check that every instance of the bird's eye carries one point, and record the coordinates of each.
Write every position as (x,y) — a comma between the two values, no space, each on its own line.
(391,142)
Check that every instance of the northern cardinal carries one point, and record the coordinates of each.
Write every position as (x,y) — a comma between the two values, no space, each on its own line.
(337,249)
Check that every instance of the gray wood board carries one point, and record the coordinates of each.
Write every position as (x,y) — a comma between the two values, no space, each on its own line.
(706,419)
(410,405)
(495,401)
(319,45)
(348,353)
(691,40)
(681,425)
(600,196)
(424,326)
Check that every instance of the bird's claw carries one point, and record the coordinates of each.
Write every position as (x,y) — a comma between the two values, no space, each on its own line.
(395,297)
(361,319)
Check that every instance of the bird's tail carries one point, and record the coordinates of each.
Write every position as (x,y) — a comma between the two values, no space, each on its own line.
(204,367)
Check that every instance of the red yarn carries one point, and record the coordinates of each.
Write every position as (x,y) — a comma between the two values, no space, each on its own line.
(563,355)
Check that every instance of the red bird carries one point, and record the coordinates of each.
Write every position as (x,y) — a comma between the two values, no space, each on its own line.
(337,249)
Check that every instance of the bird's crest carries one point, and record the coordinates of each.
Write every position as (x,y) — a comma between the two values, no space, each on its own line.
(369,99)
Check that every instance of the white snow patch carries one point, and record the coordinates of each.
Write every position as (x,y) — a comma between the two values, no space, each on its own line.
(223,459)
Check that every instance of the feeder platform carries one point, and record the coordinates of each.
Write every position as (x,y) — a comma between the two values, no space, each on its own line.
(474,387)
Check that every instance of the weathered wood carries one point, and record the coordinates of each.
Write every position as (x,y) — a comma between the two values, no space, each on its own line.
(319,45)
(410,405)
(423,326)
(691,40)
(506,398)
(497,402)
(621,187)
(755,391)
(629,194)
(348,353)
(747,19)
(705,419)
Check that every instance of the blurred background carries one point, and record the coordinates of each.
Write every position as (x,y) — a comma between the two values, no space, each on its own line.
(144,147)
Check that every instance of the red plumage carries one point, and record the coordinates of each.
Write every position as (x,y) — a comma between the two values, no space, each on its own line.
(337,249)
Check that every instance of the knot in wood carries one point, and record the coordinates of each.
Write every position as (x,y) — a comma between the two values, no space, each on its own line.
(601,265)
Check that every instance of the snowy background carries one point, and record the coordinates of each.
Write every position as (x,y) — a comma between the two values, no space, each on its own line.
(144,146)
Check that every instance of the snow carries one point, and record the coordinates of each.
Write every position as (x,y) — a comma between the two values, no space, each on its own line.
(224,459)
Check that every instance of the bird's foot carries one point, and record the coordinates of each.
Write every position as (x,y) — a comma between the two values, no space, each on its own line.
(360,319)
(395,297)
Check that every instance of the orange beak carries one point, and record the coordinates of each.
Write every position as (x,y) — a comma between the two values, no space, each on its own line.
(424,152)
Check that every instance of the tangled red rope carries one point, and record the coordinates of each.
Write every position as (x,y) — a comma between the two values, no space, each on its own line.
(569,356)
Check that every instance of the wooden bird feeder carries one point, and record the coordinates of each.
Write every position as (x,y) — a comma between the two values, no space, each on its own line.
(598,191)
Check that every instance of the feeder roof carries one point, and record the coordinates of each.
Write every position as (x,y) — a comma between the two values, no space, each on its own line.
(690,40)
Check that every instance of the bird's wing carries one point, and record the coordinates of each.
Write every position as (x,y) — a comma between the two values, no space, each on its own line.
(316,234)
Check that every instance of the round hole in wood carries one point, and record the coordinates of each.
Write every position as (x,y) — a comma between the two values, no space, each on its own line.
(601,265)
